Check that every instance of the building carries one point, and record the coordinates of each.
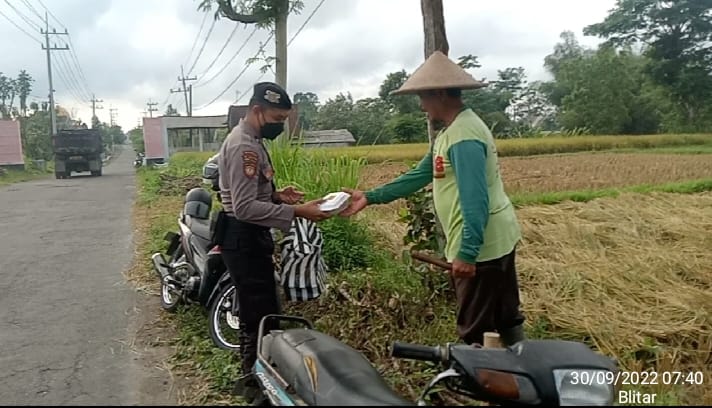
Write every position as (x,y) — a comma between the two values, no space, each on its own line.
(327,138)
(11,155)
(165,135)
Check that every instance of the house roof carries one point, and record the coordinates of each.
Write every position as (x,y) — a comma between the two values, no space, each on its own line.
(328,136)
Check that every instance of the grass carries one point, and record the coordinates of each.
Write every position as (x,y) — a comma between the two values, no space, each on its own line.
(529,147)
(555,197)
(626,270)
(30,173)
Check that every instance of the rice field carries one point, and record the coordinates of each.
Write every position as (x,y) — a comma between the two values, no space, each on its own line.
(529,146)
(631,274)
(573,172)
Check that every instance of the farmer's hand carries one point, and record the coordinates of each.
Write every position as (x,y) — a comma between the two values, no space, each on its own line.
(311,211)
(462,269)
(358,202)
(290,195)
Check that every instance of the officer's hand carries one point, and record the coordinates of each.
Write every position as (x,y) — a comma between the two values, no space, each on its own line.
(358,202)
(311,211)
(290,195)
(462,269)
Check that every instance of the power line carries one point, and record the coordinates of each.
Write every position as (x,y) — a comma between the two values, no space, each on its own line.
(19,28)
(200,30)
(65,77)
(32,9)
(232,34)
(305,22)
(52,15)
(64,65)
(210,31)
(195,42)
(201,84)
(262,46)
(242,94)
(85,83)
(22,16)
(82,86)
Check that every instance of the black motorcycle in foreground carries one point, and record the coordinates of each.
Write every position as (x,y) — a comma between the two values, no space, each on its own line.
(194,271)
(302,366)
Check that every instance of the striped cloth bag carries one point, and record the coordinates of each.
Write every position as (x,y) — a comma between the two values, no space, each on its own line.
(302,268)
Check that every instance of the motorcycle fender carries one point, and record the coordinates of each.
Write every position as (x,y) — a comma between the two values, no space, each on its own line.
(173,241)
(271,388)
(225,279)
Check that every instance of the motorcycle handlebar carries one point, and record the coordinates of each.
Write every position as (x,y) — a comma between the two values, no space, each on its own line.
(418,352)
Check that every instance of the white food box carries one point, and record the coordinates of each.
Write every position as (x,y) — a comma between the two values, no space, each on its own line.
(335,202)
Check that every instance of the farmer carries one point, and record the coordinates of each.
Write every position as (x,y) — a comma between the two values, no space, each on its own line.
(253,206)
(478,218)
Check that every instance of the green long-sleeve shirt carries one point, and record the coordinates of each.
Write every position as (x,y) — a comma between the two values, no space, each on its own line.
(469,197)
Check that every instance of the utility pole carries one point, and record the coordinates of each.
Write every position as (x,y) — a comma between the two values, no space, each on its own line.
(281,13)
(435,40)
(113,114)
(94,101)
(151,108)
(188,99)
(46,46)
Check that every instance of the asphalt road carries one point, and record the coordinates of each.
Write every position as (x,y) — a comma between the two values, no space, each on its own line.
(67,316)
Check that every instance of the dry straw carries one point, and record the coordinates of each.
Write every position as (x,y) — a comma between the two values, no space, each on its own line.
(632,274)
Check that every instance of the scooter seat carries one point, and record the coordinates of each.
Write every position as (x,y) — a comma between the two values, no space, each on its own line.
(199,227)
(325,371)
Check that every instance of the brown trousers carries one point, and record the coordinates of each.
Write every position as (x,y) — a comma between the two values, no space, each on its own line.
(489,301)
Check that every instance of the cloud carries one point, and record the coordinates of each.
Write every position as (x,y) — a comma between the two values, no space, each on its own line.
(131,51)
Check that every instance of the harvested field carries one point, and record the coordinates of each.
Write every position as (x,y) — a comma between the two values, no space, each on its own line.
(632,275)
(577,171)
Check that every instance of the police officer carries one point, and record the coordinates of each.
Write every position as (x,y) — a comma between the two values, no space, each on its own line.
(253,206)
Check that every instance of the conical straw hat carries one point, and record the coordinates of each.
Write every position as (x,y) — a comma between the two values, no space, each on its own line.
(438,72)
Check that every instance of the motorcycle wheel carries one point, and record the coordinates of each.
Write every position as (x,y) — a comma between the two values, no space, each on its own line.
(170,300)
(224,327)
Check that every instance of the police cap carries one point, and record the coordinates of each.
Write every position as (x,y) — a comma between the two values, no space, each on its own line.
(271,95)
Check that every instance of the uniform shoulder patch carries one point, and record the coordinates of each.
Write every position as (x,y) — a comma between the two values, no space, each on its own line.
(250,158)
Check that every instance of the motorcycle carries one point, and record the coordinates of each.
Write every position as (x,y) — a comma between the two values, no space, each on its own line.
(303,366)
(194,271)
(138,161)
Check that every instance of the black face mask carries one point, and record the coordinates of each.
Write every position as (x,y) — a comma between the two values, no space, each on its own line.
(270,131)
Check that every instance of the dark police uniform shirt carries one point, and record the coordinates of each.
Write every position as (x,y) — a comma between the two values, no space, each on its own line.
(246,180)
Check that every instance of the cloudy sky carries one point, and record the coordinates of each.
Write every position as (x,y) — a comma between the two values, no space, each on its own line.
(127,52)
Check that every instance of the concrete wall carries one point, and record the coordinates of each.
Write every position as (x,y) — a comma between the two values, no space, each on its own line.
(154,139)
(10,143)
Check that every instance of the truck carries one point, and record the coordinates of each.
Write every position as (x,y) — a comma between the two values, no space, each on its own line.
(77,150)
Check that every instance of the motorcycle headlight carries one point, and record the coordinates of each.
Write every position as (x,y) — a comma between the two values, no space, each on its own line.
(584,387)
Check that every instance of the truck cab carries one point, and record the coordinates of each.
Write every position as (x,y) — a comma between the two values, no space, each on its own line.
(77,150)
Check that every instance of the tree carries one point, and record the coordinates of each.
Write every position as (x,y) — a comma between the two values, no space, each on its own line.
(264,13)
(307,104)
(608,94)
(34,132)
(336,113)
(677,38)
(23,88)
(136,138)
(402,104)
